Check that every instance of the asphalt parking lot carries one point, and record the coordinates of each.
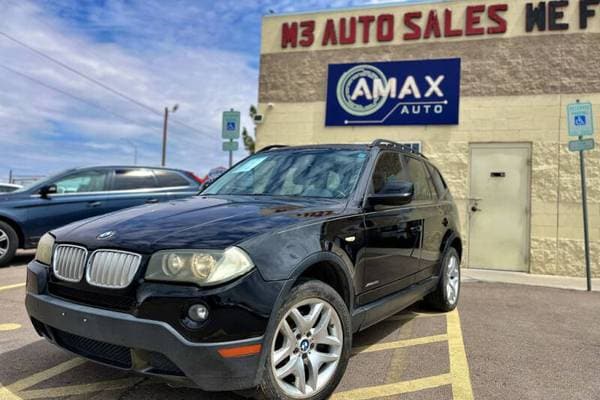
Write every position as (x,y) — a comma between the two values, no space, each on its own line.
(503,342)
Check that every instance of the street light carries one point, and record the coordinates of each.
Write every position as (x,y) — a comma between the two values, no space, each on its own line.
(135,150)
(164,144)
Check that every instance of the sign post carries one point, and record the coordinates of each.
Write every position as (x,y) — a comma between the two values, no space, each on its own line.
(581,123)
(231,132)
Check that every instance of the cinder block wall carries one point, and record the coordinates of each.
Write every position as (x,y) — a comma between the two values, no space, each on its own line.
(514,88)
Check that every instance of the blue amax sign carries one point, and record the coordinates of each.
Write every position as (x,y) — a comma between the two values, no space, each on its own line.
(424,92)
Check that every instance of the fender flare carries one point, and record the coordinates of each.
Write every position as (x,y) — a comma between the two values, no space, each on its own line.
(323,256)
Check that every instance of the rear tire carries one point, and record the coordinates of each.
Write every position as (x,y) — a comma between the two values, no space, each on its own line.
(313,353)
(445,297)
(9,241)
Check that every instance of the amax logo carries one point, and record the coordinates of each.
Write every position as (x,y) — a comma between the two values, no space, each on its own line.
(393,93)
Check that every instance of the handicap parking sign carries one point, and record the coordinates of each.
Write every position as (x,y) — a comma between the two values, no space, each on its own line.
(231,125)
(580,119)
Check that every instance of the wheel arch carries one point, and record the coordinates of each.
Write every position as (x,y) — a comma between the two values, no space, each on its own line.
(452,239)
(17,228)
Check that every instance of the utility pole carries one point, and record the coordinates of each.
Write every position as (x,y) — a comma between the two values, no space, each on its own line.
(10,176)
(164,143)
(165,129)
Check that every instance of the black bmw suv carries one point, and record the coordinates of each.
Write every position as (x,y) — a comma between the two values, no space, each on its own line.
(259,281)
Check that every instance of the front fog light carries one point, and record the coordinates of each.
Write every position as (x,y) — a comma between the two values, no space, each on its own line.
(198,312)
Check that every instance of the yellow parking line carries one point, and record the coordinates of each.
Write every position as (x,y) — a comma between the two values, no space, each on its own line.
(9,327)
(44,375)
(6,394)
(18,285)
(400,344)
(75,390)
(459,366)
(394,388)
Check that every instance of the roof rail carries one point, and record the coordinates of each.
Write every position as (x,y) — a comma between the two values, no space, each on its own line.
(271,147)
(400,146)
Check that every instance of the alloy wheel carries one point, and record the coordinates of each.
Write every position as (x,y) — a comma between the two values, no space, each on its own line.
(452,279)
(307,348)
(4,243)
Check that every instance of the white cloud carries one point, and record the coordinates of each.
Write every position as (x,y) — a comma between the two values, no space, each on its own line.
(44,131)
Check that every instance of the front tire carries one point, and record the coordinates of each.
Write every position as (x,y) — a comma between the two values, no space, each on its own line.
(445,297)
(310,348)
(8,244)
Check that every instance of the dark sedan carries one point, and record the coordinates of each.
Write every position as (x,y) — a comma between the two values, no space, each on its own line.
(28,213)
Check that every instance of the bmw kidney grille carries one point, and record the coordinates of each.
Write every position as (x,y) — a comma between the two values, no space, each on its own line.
(112,269)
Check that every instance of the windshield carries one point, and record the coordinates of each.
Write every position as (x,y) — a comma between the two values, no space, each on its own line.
(324,173)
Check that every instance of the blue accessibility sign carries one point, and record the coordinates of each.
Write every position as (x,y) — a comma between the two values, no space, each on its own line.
(580,119)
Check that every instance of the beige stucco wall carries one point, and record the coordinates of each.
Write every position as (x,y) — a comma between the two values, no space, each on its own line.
(513,89)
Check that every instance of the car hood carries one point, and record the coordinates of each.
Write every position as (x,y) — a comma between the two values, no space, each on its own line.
(198,222)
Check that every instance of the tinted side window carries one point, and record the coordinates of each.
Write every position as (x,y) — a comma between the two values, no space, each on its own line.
(169,178)
(388,169)
(438,181)
(418,175)
(131,179)
(82,182)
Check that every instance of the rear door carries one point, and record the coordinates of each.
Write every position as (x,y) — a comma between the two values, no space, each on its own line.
(430,212)
(175,183)
(132,187)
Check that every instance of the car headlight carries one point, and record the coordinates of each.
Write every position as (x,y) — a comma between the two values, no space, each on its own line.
(203,267)
(45,246)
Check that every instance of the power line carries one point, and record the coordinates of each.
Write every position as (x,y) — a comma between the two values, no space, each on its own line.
(97,82)
(80,99)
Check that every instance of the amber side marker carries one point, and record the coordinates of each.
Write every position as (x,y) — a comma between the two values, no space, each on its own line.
(242,351)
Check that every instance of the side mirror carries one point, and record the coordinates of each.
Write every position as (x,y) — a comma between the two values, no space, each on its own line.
(394,193)
(48,189)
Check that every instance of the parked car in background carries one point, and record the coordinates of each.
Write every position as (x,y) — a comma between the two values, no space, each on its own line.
(213,174)
(261,280)
(28,213)
(8,187)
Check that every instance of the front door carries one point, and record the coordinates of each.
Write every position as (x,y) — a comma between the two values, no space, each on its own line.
(393,235)
(499,206)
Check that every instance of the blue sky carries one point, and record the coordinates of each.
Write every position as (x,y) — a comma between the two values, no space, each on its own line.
(202,55)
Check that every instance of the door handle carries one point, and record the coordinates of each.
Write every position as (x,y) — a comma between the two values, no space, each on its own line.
(94,204)
(151,201)
(415,229)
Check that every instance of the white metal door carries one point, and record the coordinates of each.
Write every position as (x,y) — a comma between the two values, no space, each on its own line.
(499,206)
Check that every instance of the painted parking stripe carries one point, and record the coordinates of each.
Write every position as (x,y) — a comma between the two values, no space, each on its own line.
(9,327)
(459,366)
(44,375)
(395,388)
(75,390)
(17,285)
(400,344)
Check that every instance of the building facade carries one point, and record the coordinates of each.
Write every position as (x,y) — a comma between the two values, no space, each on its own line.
(501,141)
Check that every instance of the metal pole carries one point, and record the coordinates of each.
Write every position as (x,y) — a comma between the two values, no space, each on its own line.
(586,236)
(10,176)
(164,143)
(134,155)
(230,154)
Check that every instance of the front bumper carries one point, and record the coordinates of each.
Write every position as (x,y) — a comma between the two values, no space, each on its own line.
(147,346)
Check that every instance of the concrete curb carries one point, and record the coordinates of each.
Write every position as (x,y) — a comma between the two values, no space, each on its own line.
(521,278)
